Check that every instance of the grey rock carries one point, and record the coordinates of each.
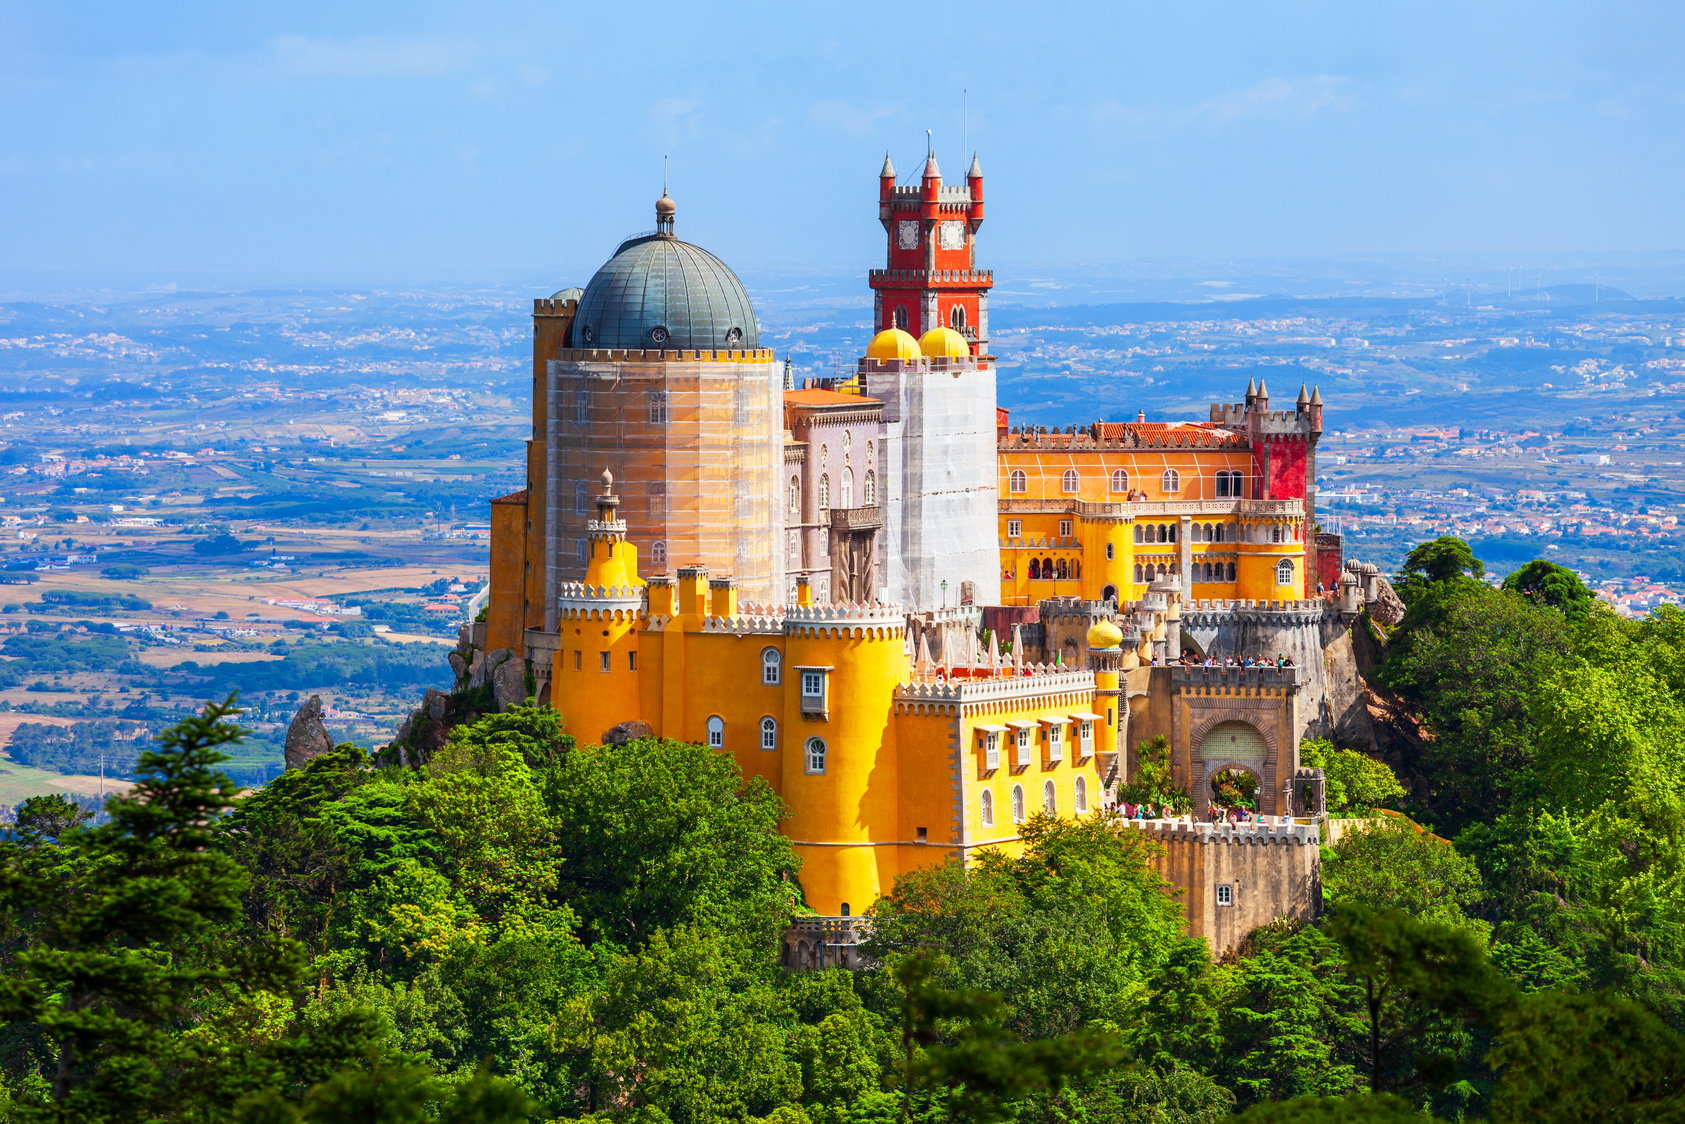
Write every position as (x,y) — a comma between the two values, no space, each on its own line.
(306,734)
(626,732)
(509,684)
(459,666)
(1388,608)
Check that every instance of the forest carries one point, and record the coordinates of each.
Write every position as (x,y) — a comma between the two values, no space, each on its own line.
(522,928)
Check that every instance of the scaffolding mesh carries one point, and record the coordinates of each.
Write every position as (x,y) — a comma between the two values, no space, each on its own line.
(695,442)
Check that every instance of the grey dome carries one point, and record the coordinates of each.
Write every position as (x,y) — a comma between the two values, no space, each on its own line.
(659,292)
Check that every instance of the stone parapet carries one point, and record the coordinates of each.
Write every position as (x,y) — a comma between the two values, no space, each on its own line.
(1034,681)
(847,618)
(1240,834)
(1234,678)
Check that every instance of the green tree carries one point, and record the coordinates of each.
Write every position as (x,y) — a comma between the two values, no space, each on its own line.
(1592,1057)
(1359,1108)
(1424,984)
(1070,929)
(1393,864)
(1546,583)
(658,834)
(1445,561)
(1355,782)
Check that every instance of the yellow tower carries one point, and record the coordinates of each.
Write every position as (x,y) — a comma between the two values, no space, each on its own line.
(594,681)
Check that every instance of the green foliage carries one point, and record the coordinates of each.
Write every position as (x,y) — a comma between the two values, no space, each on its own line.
(1473,670)
(1546,583)
(1433,566)
(1359,1108)
(1393,864)
(1354,782)
(124,571)
(1152,784)
(1071,929)
(212,546)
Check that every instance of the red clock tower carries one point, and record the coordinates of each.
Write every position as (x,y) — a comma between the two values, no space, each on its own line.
(932,280)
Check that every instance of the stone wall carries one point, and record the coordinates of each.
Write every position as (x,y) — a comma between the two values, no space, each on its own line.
(1270,871)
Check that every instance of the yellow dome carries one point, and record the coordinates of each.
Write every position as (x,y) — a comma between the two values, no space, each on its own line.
(1104,635)
(944,343)
(893,343)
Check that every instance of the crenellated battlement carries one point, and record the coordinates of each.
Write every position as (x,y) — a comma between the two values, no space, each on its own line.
(1182,831)
(1264,677)
(1029,685)
(875,619)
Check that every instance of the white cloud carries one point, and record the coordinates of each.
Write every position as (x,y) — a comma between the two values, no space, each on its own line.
(371,57)
(1279,97)
(847,118)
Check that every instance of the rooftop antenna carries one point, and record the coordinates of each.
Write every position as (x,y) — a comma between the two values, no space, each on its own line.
(664,175)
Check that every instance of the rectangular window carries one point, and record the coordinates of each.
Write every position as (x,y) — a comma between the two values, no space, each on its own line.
(1023,748)
(1056,742)
(1064,528)
(991,750)
(1086,738)
(631,661)
(578,659)
(1014,528)
(813,684)
(1109,554)
(1225,895)
(581,406)
(605,659)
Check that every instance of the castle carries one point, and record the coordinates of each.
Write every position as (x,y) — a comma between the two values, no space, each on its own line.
(918,623)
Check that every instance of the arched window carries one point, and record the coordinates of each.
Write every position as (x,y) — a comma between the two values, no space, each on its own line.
(772,666)
(871,496)
(1081,801)
(658,553)
(1138,578)
(1172,481)
(824,491)
(1035,570)
(1047,569)
(816,756)
(1284,572)
(716,732)
(956,318)
(1120,480)
(769,732)
(1019,482)
(658,407)
(901,319)
(1017,803)
(1231,571)
(848,487)
(1161,570)
(988,808)
(1068,481)
(795,495)
(1164,532)
(1219,533)
(1137,532)
(1061,569)
(1049,802)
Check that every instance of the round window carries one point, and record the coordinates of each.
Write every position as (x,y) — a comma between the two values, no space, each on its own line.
(589,333)
(733,335)
(658,334)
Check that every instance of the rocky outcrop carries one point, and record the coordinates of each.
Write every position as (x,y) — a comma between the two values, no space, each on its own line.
(427,728)
(1388,607)
(627,732)
(307,736)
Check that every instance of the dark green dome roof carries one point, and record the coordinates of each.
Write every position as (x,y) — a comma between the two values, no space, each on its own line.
(659,292)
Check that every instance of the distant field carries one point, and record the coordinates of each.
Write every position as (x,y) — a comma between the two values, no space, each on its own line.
(20,782)
(10,722)
(204,592)
(170,657)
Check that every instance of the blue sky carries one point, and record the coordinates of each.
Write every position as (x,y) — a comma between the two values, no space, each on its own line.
(422,142)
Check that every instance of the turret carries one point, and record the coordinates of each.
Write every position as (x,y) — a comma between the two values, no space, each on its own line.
(886,180)
(1261,400)
(974,182)
(665,209)
(1315,409)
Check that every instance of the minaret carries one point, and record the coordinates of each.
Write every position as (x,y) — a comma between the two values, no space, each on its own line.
(931,279)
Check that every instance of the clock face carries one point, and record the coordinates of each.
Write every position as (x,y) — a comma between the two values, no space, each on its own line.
(953,235)
(907,233)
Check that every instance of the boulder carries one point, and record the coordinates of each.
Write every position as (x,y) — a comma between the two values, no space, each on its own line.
(1388,607)
(459,666)
(306,735)
(627,732)
(509,684)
